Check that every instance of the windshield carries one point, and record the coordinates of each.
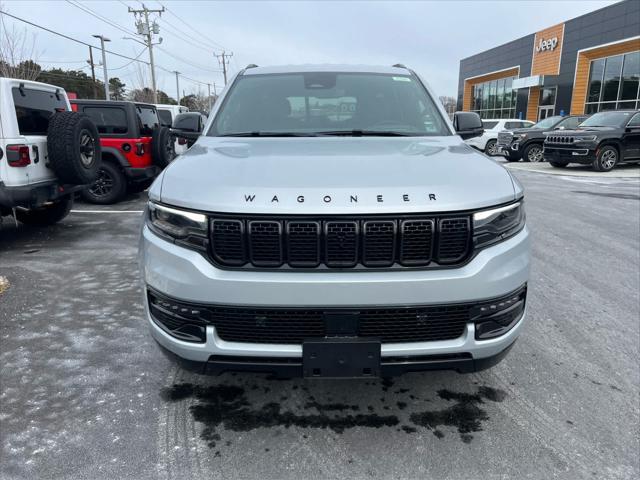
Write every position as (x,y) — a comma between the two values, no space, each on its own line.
(328,103)
(608,119)
(547,122)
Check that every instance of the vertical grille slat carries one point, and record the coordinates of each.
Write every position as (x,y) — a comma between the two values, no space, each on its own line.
(416,246)
(365,242)
(379,243)
(303,244)
(265,243)
(227,241)
(453,239)
(341,244)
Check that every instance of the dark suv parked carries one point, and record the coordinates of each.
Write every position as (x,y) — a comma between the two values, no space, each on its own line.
(604,140)
(527,143)
(135,148)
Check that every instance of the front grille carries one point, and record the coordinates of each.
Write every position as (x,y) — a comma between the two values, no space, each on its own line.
(559,139)
(365,242)
(504,138)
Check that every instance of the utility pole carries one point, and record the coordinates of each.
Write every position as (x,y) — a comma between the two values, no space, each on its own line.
(93,72)
(177,86)
(147,31)
(223,59)
(209,94)
(104,65)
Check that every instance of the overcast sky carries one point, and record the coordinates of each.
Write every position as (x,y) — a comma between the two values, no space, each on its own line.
(430,37)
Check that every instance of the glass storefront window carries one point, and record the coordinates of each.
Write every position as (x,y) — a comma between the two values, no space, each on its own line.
(614,83)
(611,81)
(630,76)
(500,93)
(494,99)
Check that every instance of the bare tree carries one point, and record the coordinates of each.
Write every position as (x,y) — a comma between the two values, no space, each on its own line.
(18,56)
(449,104)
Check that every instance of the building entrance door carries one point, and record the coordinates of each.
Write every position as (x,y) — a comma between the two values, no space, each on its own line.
(544,112)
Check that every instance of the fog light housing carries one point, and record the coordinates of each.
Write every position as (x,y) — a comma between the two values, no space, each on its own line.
(493,319)
(180,320)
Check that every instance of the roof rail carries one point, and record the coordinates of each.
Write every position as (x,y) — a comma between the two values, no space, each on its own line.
(399,65)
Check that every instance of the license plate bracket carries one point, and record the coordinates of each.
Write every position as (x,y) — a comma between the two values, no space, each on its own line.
(341,357)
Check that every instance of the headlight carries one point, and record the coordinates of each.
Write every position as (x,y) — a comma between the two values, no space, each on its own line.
(585,138)
(497,224)
(520,136)
(182,227)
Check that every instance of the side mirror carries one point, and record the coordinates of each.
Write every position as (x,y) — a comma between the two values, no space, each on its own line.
(467,124)
(187,125)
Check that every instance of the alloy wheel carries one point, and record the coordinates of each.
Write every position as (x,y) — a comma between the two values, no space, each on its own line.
(103,185)
(535,154)
(608,159)
(87,149)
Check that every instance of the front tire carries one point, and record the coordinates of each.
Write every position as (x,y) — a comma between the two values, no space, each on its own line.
(109,188)
(607,159)
(533,153)
(47,215)
(558,164)
(491,148)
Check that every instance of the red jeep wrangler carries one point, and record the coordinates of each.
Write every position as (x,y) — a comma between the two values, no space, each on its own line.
(135,148)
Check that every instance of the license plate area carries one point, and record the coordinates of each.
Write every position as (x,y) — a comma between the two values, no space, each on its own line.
(341,357)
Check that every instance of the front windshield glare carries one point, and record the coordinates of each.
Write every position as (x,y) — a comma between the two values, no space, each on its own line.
(547,122)
(607,119)
(326,103)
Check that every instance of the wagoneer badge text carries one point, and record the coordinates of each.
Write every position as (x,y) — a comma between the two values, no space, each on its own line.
(380,198)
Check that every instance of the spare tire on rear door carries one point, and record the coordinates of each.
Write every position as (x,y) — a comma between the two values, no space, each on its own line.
(162,148)
(73,147)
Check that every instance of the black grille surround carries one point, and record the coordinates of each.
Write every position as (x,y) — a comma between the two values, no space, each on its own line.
(259,242)
(293,325)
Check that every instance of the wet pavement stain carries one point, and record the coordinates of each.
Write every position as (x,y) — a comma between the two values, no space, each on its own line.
(466,414)
(228,407)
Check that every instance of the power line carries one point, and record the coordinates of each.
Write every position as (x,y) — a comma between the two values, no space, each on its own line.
(94,14)
(127,64)
(190,27)
(186,62)
(67,36)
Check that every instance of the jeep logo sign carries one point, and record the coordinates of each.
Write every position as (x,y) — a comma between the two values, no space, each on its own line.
(547,44)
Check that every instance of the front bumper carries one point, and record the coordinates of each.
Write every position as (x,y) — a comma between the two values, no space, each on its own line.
(184,274)
(575,154)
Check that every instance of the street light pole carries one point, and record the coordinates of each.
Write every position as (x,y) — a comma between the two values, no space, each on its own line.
(104,65)
(177,86)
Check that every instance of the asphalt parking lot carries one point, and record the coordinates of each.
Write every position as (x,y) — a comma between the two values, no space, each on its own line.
(85,394)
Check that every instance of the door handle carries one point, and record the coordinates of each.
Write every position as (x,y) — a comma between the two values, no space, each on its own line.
(36,154)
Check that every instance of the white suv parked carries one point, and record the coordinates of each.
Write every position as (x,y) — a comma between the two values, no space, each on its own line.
(487,141)
(47,152)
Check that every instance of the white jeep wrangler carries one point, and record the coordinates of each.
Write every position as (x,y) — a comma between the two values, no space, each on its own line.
(47,152)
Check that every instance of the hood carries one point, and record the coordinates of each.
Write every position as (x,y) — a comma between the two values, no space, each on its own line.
(519,131)
(582,131)
(334,175)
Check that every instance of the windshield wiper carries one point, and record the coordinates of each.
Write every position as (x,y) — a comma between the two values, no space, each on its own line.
(270,134)
(368,133)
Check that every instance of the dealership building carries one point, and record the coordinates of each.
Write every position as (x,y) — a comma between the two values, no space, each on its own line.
(585,65)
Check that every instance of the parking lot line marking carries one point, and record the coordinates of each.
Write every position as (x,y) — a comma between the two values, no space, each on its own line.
(106,211)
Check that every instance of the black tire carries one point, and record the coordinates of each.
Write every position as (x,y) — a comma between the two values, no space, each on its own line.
(510,157)
(109,188)
(533,153)
(607,159)
(162,148)
(491,148)
(558,164)
(47,215)
(73,147)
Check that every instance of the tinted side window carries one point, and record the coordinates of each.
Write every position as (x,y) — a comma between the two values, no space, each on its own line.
(635,121)
(488,125)
(570,123)
(512,125)
(165,117)
(148,120)
(108,120)
(34,108)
